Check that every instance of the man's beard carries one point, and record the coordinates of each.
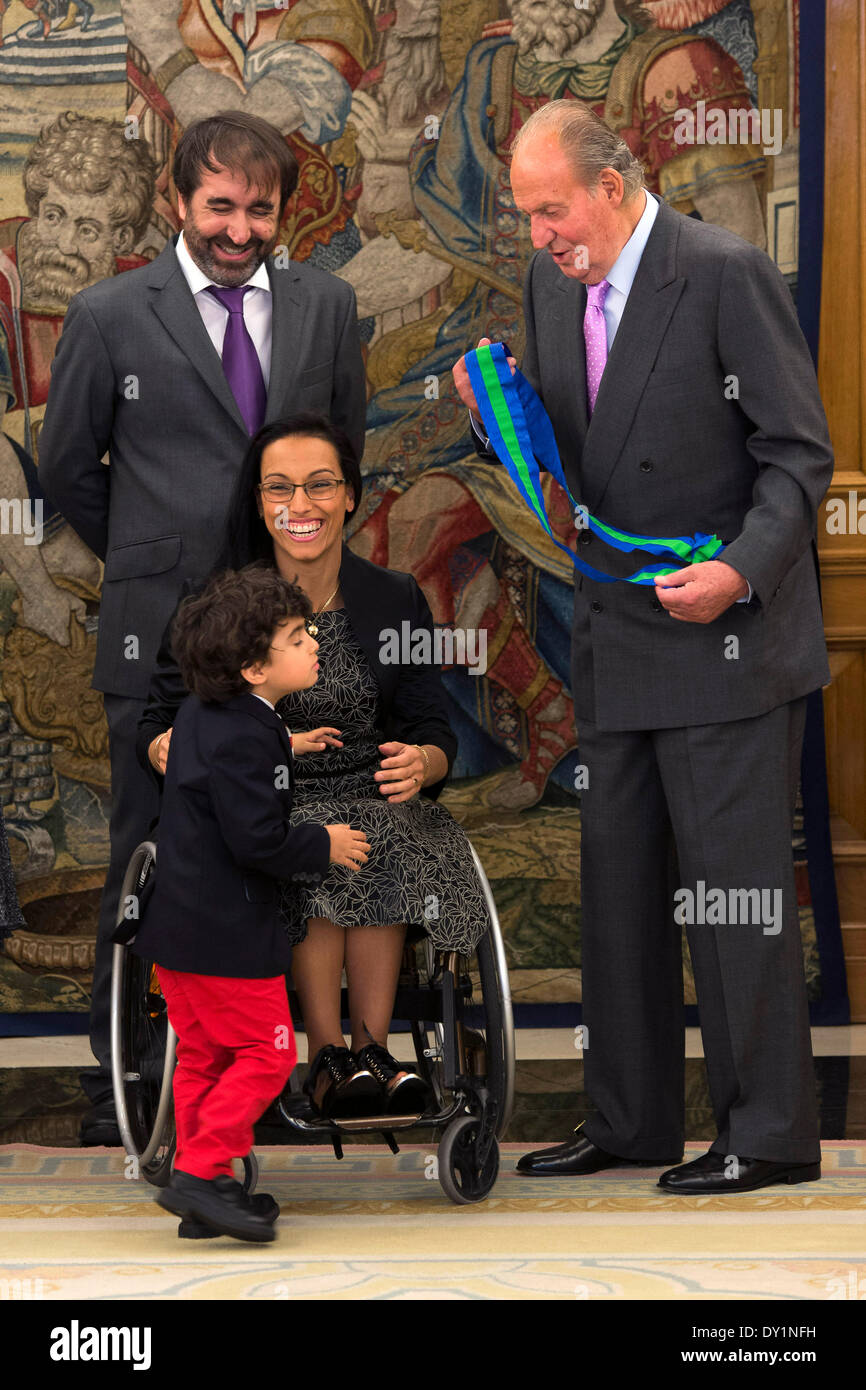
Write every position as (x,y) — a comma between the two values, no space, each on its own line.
(51,278)
(560,28)
(201,249)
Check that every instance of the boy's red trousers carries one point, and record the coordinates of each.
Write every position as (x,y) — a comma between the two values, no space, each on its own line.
(235,1053)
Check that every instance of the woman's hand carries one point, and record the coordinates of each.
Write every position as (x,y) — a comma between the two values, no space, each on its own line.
(315,740)
(158,751)
(402,771)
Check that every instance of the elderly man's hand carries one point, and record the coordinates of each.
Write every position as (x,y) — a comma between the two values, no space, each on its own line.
(699,593)
(460,374)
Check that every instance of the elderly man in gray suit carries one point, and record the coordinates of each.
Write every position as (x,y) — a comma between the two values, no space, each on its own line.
(169,370)
(668,356)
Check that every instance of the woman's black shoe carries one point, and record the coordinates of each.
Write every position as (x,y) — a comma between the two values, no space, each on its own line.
(351,1090)
(405,1093)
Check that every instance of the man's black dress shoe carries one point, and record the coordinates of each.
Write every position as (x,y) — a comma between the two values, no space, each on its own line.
(219,1203)
(717,1172)
(260,1202)
(578,1155)
(99,1127)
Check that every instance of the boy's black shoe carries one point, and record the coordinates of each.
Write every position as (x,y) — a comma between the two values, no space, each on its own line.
(404,1092)
(262,1203)
(219,1203)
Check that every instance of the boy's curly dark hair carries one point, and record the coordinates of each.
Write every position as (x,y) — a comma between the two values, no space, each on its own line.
(231,624)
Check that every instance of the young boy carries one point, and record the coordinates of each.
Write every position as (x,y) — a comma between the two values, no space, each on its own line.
(211,923)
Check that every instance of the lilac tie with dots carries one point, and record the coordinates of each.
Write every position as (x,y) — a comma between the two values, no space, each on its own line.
(240,360)
(595,337)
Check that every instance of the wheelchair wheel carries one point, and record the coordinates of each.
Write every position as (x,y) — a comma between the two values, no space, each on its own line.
(143,1045)
(491,1035)
(496,999)
(466,1173)
(142,1042)
(251,1172)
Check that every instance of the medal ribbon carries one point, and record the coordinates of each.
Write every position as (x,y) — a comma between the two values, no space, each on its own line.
(521,435)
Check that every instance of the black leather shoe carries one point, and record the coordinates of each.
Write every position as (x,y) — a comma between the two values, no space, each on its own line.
(262,1203)
(403,1092)
(99,1128)
(716,1172)
(575,1157)
(219,1203)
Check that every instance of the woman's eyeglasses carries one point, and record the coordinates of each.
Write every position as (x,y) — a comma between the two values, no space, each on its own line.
(319,490)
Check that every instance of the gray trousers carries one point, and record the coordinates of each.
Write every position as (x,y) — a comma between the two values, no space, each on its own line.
(668,810)
(134,804)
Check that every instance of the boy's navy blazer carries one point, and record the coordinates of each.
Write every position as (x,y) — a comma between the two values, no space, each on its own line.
(225,841)
(377,600)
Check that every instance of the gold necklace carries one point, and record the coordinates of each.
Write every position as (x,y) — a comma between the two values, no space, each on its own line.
(312,629)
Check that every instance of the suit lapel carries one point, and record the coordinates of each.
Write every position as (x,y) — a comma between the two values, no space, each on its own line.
(177,311)
(567,310)
(287,328)
(250,704)
(648,310)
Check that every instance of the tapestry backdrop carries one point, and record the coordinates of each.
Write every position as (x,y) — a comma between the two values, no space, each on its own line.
(401,114)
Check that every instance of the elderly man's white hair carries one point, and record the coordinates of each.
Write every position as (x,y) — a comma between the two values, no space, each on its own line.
(587,142)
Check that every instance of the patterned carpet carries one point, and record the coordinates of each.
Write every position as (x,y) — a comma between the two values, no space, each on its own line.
(379,1227)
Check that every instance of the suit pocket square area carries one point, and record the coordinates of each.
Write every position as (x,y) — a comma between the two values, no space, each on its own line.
(141,558)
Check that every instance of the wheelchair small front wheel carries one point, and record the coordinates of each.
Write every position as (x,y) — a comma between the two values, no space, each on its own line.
(463,1177)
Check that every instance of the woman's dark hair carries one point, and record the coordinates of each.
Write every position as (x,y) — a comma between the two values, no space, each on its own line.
(230,625)
(244,144)
(246,536)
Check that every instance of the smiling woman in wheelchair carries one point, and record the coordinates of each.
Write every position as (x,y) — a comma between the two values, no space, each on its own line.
(375,750)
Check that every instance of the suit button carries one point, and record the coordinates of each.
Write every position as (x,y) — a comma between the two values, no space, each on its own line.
(645,466)
(595,606)
(654,604)
(585,537)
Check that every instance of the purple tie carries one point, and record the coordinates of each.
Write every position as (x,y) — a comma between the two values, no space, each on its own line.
(240,360)
(595,337)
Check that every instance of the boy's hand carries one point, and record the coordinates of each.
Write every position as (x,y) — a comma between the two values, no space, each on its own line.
(348,847)
(158,751)
(315,740)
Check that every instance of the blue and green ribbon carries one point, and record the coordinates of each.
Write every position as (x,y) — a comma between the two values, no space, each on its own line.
(521,435)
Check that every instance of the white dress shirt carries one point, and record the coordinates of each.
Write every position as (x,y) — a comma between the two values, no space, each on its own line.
(258,307)
(621,275)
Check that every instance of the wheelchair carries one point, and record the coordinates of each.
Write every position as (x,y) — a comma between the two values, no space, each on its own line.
(458,1009)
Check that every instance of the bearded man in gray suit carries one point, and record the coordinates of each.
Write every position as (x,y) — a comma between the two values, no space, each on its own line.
(169,370)
(669,358)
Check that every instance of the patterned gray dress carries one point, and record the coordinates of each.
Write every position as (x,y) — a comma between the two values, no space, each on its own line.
(420,870)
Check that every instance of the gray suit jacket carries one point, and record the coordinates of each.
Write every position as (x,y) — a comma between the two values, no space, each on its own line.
(136,375)
(671,450)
